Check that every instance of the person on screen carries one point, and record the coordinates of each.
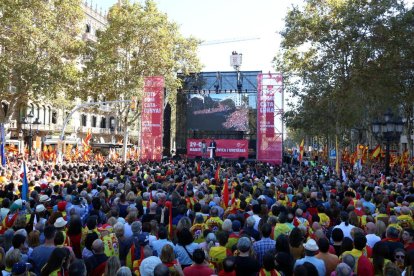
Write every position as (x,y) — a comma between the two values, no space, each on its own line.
(213,145)
(203,148)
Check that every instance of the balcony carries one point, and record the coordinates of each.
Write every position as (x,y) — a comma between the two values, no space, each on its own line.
(89,37)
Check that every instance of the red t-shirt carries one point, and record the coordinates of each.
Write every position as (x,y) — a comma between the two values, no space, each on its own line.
(198,270)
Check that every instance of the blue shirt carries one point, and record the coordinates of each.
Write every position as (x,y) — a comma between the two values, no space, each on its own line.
(159,244)
(319,264)
(262,247)
(182,255)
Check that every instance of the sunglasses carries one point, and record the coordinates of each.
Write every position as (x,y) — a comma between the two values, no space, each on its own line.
(400,256)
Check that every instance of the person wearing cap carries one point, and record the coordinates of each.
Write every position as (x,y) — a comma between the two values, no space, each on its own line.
(20,269)
(245,264)
(311,249)
(11,217)
(235,235)
(60,225)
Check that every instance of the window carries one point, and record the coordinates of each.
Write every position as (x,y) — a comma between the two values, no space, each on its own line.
(93,121)
(83,120)
(44,115)
(103,122)
(54,117)
(88,28)
(49,115)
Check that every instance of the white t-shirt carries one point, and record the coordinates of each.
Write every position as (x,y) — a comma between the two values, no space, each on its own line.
(345,229)
(372,239)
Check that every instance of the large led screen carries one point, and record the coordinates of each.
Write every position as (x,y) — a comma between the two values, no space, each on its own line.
(218,112)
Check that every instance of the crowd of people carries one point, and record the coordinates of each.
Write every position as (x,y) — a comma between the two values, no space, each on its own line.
(223,218)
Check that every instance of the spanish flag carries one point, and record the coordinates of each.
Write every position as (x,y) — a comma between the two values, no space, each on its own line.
(226,193)
(376,151)
(301,149)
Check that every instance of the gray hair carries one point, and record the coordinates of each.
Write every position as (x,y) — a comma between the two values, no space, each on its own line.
(343,269)
(250,221)
(119,229)
(349,260)
(244,244)
(124,271)
(136,227)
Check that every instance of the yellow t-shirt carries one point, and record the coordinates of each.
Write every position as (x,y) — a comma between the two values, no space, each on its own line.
(218,254)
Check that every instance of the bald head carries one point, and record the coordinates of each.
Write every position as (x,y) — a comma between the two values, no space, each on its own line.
(299,212)
(371,228)
(316,226)
(98,246)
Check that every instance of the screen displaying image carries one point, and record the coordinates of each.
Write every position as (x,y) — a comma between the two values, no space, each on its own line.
(218,112)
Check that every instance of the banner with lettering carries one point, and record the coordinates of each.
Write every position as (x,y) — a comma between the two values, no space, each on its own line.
(269,118)
(152,119)
(232,149)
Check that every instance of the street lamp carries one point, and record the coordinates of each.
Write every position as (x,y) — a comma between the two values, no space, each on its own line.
(388,130)
(29,120)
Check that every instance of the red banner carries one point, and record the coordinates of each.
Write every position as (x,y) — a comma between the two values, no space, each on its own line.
(269,130)
(232,149)
(152,119)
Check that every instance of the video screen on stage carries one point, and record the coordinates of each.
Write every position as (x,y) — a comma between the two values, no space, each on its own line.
(219,112)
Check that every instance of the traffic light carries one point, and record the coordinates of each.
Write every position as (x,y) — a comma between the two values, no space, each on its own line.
(133,104)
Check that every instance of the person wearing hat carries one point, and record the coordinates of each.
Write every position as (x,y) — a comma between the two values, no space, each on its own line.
(311,249)
(235,235)
(20,269)
(60,225)
(11,217)
(245,264)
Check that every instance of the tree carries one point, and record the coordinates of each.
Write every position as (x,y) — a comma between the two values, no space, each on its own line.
(139,41)
(330,56)
(39,47)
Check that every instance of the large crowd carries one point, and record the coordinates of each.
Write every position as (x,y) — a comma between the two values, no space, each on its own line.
(178,217)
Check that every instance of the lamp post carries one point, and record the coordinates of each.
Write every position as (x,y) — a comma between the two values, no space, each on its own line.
(388,130)
(29,120)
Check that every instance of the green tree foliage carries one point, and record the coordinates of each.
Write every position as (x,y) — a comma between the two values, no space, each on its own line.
(345,61)
(39,47)
(139,41)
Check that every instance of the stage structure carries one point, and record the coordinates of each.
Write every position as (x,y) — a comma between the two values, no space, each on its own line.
(222,106)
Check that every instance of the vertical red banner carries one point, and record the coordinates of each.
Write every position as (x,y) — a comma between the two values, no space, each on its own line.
(269,129)
(152,119)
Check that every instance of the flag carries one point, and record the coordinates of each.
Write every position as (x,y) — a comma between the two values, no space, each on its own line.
(376,151)
(2,145)
(85,143)
(25,186)
(217,174)
(337,156)
(301,148)
(198,167)
(344,177)
(226,193)
(170,226)
(382,181)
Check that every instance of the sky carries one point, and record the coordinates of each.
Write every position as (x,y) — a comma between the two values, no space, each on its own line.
(211,21)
